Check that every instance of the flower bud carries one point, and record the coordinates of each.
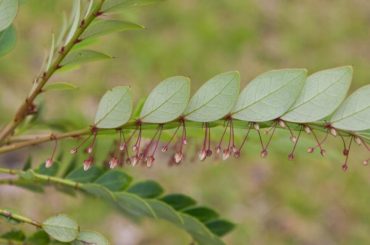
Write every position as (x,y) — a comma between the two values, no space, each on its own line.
(291,156)
(310,149)
(73,151)
(178,157)
(48,163)
(282,123)
(164,148)
(264,153)
(358,140)
(113,162)
(202,155)
(307,129)
(150,161)
(225,154)
(333,132)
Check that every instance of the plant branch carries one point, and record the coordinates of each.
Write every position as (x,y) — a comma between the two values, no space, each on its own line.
(19,218)
(27,107)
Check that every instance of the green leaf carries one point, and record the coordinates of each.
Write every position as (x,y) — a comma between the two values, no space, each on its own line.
(8,39)
(102,27)
(269,95)
(203,214)
(115,108)
(8,11)
(90,237)
(15,235)
(28,164)
(114,180)
(82,176)
(52,171)
(354,113)
(220,227)
(134,205)
(321,95)
(82,56)
(76,13)
(51,52)
(165,211)
(99,191)
(61,228)
(178,201)
(215,98)
(113,5)
(59,86)
(38,238)
(167,101)
(146,189)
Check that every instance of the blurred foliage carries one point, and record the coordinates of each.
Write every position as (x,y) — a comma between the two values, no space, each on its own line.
(307,201)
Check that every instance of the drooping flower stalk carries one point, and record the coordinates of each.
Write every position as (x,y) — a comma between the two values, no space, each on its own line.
(291,154)
(49,162)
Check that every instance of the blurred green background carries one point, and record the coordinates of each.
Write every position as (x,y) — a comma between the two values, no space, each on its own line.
(273,201)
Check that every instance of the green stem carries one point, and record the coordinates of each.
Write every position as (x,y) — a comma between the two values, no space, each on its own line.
(22,219)
(24,110)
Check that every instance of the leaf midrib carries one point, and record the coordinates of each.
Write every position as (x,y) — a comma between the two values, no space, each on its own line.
(350,115)
(106,114)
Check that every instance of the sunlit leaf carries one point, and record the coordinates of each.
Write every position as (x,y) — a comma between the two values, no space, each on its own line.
(61,228)
(167,101)
(146,189)
(90,237)
(269,95)
(83,56)
(114,180)
(321,95)
(59,86)
(114,108)
(178,201)
(215,98)
(8,11)
(113,5)
(102,27)
(220,227)
(354,113)
(7,40)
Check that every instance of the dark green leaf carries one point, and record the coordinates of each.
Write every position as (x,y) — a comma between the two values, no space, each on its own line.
(82,176)
(134,205)
(38,238)
(203,214)
(52,171)
(220,227)
(146,189)
(98,191)
(28,164)
(15,235)
(178,201)
(165,211)
(114,180)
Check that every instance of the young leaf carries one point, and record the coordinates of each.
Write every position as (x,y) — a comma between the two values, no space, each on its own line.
(102,27)
(114,180)
(51,52)
(178,201)
(269,95)
(90,237)
(82,176)
(354,113)
(164,211)
(8,39)
(82,56)
(114,108)
(8,11)
(167,101)
(215,98)
(220,227)
(113,5)
(76,12)
(321,95)
(59,86)
(146,189)
(61,228)
(134,205)
(204,214)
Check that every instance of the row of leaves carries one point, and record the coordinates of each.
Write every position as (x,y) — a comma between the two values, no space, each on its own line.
(287,94)
(138,200)
(55,230)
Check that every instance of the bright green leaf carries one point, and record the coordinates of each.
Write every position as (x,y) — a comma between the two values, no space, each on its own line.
(102,27)
(82,176)
(114,180)
(134,205)
(167,101)
(178,201)
(8,11)
(215,98)
(59,86)
(90,237)
(8,39)
(220,227)
(61,228)
(146,189)
(113,5)
(354,113)
(115,108)
(82,56)
(321,95)
(269,95)
(203,214)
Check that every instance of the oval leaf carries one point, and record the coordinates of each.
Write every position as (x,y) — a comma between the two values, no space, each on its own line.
(114,108)
(59,86)
(215,98)
(178,201)
(114,180)
(354,113)
(220,227)
(98,191)
(134,205)
(7,40)
(8,11)
(146,189)
(164,211)
(113,5)
(61,228)
(269,95)
(321,95)
(82,56)
(99,28)
(82,176)
(167,101)
(90,237)
(203,214)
